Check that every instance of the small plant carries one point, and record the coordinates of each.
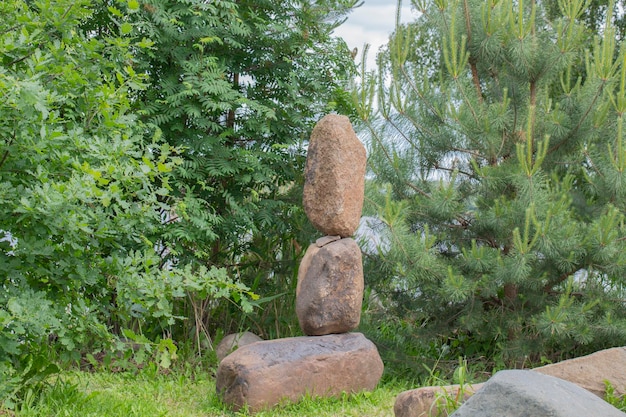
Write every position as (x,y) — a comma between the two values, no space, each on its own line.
(613,398)
(25,380)
(133,352)
(447,400)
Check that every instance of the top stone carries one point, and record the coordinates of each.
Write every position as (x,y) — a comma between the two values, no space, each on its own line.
(334,177)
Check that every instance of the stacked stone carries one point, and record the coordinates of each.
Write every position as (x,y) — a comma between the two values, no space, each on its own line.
(329,360)
(330,277)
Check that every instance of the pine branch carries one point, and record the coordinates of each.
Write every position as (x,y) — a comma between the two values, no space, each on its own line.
(533,103)
(460,171)
(494,161)
(548,287)
(420,127)
(401,131)
(467,101)
(472,60)
(388,158)
(471,152)
(429,105)
(582,119)
(573,293)
(595,168)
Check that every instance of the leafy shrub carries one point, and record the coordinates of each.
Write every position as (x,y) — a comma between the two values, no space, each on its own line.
(82,196)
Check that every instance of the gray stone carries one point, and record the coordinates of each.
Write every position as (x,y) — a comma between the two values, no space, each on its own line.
(590,372)
(263,374)
(334,177)
(519,393)
(233,341)
(329,294)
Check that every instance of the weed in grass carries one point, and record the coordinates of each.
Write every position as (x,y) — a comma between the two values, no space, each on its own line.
(611,397)
(449,400)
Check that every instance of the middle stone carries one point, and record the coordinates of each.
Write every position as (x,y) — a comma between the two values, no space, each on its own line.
(329,294)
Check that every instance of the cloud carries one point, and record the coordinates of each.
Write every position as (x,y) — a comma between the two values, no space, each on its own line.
(372,23)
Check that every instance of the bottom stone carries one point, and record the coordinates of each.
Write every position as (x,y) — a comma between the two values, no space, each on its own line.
(263,374)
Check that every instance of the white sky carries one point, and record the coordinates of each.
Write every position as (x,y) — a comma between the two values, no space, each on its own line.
(372,23)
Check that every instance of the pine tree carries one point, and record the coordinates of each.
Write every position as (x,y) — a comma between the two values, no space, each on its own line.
(497,151)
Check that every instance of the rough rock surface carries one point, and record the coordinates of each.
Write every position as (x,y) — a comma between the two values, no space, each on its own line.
(233,342)
(590,372)
(519,393)
(334,177)
(424,402)
(329,293)
(265,373)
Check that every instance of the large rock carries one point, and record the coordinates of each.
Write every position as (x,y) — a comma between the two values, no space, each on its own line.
(329,293)
(591,371)
(430,401)
(265,373)
(520,393)
(334,177)
(234,341)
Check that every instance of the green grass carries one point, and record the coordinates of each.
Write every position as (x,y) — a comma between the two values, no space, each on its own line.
(611,397)
(189,394)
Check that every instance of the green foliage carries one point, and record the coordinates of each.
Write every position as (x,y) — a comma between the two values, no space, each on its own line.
(134,351)
(75,192)
(238,86)
(496,145)
(613,398)
(447,402)
(25,379)
(150,164)
(82,188)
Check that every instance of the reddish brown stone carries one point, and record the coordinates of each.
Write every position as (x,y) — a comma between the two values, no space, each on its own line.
(263,374)
(334,177)
(329,294)
(590,372)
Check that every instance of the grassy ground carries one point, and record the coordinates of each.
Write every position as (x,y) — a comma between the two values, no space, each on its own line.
(189,394)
